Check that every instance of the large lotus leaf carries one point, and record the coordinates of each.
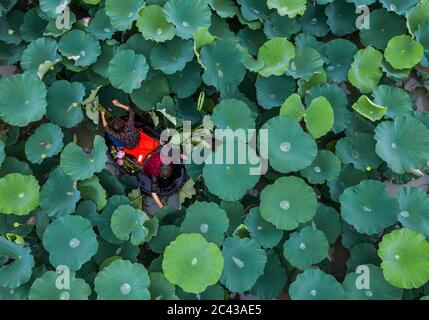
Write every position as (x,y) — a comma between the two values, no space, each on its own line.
(341,17)
(192,263)
(187,16)
(151,92)
(59,195)
(319,117)
(53,8)
(127,70)
(306,247)
(383,26)
(291,8)
(399,6)
(327,220)
(125,250)
(224,8)
(166,234)
(80,48)
(261,230)
(123,280)
(271,92)
(64,99)
(314,284)
(128,224)
(19,271)
(278,26)
(365,72)
(338,101)
(379,288)
(253,9)
(362,253)
(102,65)
(70,241)
(306,63)
(403,52)
(160,288)
(368,207)
(348,177)
(405,255)
(91,189)
(19,194)
(153,24)
(272,282)
(403,143)
(80,165)
(326,167)
(46,142)
(172,56)
(252,40)
(397,101)
(276,55)
(186,82)
(293,107)
(22,99)
(339,54)
(100,26)
(13,165)
(313,22)
(229,180)
(39,52)
(414,214)
(288,202)
(417,15)
(45,288)
(233,114)
(244,263)
(290,148)
(123,13)
(359,150)
(223,64)
(207,219)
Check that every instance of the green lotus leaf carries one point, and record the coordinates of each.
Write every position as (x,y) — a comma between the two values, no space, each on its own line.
(405,255)
(11,53)
(417,15)
(383,27)
(338,101)
(102,65)
(128,224)
(403,52)
(272,282)
(394,73)
(19,194)
(365,72)
(327,220)
(313,22)
(288,202)
(151,92)
(22,99)
(244,263)
(306,63)
(223,64)
(153,24)
(253,9)
(403,143)
(70,241)
(362,253)
(359,150)
(293,107)
(314,284)
(127,70)
(186,82)
(216,292)
(172,56)
(271,92)
(291,8)
(20,293)
(397,101)
(13,165)
(207,219)
(306,247)
(326,167)
(19,271)
(45,288)
(235,213)
(276,55)
(187,16)
(289,150)
(414,203)
(399,6)
(368,207)
(341,17)
(224,8)
(80,48)
(59,195)
(192,263)
(229,181)
(233,114)
(38,53)
(53,8)
(80,165)
(339,53)
(91,189)
(122,14)
(104,222)
(319,117)
(379,288)
(166,234)
(262,231)
(123,280)
(160,288)
(46,142)
(278,26)
(126,250)
(350,237)
(100,26)
(348,177)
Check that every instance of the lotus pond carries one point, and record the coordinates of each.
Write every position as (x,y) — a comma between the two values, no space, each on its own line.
(340,87)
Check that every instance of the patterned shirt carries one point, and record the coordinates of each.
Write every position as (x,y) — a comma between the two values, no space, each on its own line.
(130,135)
